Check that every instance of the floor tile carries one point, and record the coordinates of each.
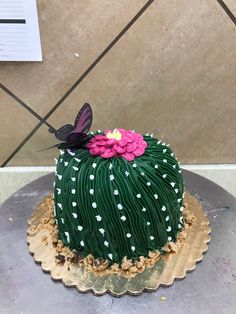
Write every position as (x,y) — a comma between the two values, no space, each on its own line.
(174,74)
(15,124)
(67,28)
(35,152)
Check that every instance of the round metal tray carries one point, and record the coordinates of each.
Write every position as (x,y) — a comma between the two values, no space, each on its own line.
(24,288)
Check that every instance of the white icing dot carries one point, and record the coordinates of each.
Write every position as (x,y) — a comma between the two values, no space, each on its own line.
(156,196)
(181,208)
(163,144)
(178,161)
(144,209)
(94,165)
(159,142)
(128,235)
(152,238)
(179,171)
(54,183)
(91,177)
(101,230)
(70,152)
(164,175)
(163,208)
(62,220)
(147,134)
(126,173)
(75,168)
(172,184)
(59,205)
(179,200)
(106,243)
(74,204)
(123,218)
(58,191)
(77,159)
(110,256)
(138,195)
(91,132)
(133,248)
(148,183)
(119,206)
(99,218)
(80,228)
(148,223)
(172,154)
(169,238)
(99,131)
(91,191)
(65,163)
(73,179)
(156,166)
(134,165)
(176,190)
(151,135)
(142,174)
(164,150)
(179,226)
(167,218)
(59,176)
(55,161)
(167,145)
(82,243)
(73,191)
(67,236)
(74,215)
(110,166)
(164,160)
(61,152)
(112,177)
(94,205)
(168,229)
(174,166)
(181,219)
(116,192)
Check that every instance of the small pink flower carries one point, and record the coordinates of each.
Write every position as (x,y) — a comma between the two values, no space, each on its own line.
(119,142)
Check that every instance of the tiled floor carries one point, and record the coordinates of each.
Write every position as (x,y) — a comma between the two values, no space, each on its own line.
(172,72)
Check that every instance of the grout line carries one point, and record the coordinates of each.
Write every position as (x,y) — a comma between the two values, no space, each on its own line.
(52,168)
(24,105)
(82,77)
(227,11)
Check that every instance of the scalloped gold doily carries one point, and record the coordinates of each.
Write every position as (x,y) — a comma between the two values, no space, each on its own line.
(170,267)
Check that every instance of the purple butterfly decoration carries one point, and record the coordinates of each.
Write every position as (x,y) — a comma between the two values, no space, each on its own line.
(75,136)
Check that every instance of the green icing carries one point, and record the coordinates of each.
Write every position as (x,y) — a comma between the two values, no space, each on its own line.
(113,208)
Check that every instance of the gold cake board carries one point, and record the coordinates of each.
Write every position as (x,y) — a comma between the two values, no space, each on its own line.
(169,267)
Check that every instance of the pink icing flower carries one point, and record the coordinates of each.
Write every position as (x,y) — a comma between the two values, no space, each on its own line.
(119,142)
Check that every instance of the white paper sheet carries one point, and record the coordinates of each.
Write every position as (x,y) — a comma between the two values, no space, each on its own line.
(19,31)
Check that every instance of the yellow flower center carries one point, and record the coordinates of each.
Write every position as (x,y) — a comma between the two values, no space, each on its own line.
(115,135)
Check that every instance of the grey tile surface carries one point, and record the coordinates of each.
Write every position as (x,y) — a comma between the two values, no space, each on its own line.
(173,73)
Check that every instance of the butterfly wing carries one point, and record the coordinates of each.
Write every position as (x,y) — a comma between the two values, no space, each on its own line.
(75,136)
(83,120)
(62,133)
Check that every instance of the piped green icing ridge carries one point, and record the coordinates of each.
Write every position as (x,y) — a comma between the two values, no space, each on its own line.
(113,208)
